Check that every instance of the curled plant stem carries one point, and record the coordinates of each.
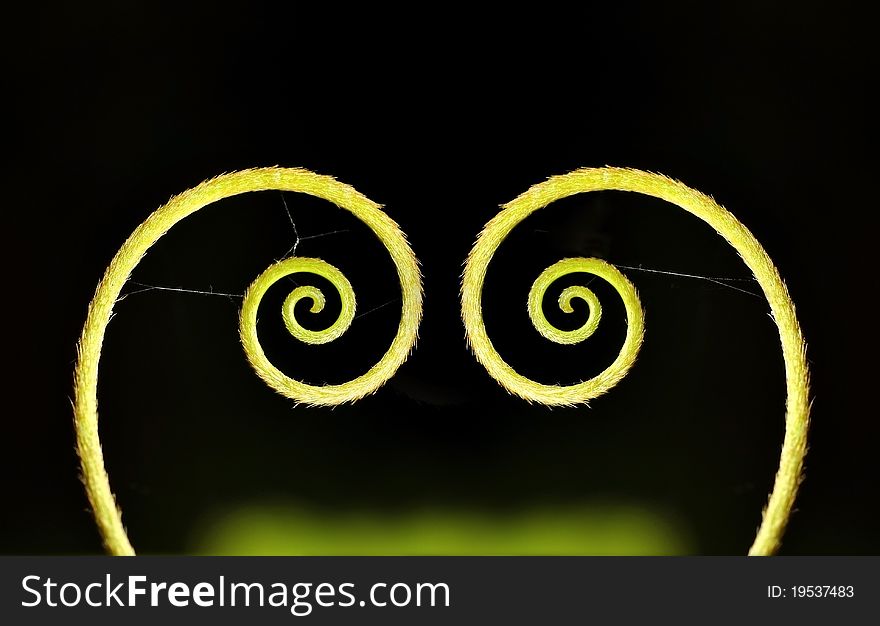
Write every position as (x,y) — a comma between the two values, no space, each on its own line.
(94,474)
(794,446)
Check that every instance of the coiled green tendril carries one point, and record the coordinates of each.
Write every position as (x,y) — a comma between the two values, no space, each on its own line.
(94,474)
(794,446)
(95,477)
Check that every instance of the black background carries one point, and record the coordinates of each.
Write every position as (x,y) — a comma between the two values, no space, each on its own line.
(440,114)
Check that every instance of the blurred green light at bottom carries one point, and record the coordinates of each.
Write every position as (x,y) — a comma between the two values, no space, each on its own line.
(601,529)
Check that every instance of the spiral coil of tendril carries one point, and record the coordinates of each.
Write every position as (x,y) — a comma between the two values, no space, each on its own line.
(557,395)
(702,206)
(97,483)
